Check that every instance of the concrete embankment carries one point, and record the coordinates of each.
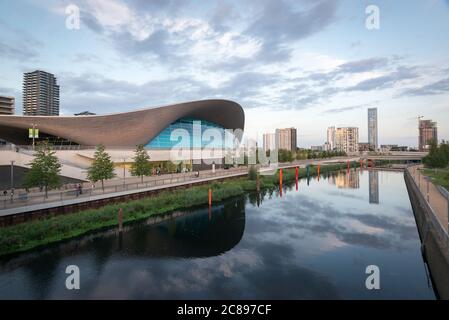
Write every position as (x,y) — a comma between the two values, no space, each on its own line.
(432,231)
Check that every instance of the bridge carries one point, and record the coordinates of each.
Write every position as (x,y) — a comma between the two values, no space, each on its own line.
(397,156)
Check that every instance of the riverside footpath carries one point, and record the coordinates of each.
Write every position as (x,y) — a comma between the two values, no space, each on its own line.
(430,205)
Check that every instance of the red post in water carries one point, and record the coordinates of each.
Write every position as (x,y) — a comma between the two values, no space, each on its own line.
(318,171)
(280,181)
(296,177)
(348,164)
(210,197)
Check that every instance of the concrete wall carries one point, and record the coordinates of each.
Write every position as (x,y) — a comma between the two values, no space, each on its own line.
(434,238)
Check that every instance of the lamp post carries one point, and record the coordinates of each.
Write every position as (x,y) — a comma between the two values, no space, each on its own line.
(124,172)
(12,174)
(33,133)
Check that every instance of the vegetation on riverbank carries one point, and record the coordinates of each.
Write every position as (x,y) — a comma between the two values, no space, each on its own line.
(438,156)
(38,233)
(439,176)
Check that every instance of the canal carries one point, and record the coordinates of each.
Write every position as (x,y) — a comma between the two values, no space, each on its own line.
(312,242)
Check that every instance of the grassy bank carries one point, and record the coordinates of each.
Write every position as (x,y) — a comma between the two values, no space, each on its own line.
(33,234)
(439,176)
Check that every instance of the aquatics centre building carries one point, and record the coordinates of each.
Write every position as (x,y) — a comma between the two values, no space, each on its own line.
(122,132)
(151,126)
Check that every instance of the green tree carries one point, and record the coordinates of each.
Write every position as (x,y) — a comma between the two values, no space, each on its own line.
(45,169)
(102,167)
(252,173)
(141,166)
(438,156)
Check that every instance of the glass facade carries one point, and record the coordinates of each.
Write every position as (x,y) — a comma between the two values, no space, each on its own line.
(192,133)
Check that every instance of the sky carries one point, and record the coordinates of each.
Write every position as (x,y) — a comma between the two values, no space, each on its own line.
(308,64)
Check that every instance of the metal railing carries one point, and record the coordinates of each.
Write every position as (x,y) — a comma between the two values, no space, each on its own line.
(432,202)
(35,196)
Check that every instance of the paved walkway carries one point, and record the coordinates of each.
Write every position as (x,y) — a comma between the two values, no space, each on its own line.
(437,201)
(87,198)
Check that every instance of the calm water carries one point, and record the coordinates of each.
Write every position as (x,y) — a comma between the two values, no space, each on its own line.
(312,243)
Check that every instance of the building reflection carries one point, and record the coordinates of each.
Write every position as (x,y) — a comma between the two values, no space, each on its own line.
(346,180)
(204,233)
(374,186)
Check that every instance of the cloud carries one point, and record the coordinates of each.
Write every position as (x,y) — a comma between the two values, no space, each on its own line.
(154,33)
(106,95)
(386,81)
(348,69)
(142,29)
(438,87)
(363,65)
(17,51)
(248,83)
(20,46)
(86,57)
(278,24)
(101,94)
(351,108)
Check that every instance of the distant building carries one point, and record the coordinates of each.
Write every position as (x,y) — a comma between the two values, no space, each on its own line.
(372,128)
(365,146)
(316,148)
(269,141)
(331,138)
(393,147)
(387,147)
(85,113)
(399,148)
(327,147)
(427,132)
(7,105)
(347,139)
(286,139)
(40,94)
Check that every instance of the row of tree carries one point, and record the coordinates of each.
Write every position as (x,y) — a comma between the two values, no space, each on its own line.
(289,156)
(303,154)
(45,168)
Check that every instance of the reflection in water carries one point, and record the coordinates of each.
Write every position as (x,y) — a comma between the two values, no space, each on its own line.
(312,243)
(373,186)
(192,235)
(349,179)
